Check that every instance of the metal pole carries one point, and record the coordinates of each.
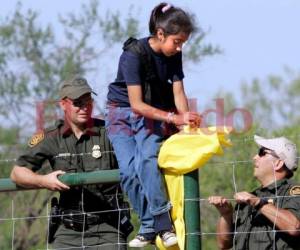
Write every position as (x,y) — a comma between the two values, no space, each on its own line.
(74,179)
(192,211)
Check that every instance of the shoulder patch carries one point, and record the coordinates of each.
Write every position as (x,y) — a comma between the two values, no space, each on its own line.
(36,138)
(295,190)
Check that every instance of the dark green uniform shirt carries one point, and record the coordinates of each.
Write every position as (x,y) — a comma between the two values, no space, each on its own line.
(91,152)
(254,231)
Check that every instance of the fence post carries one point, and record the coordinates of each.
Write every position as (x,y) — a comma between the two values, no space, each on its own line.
(192,211)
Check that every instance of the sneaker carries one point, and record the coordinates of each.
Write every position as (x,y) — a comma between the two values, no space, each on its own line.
(140,241)
(168,238)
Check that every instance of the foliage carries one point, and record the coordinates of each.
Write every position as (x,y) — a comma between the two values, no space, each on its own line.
(196,49)
(273,101)
(33,60)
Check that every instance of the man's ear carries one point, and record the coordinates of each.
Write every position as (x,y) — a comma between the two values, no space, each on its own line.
(279,164)
(62,104)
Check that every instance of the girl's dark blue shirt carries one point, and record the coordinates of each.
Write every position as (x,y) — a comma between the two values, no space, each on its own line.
(129,73)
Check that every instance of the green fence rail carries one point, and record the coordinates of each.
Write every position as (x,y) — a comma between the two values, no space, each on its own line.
(191,194)
(74,179)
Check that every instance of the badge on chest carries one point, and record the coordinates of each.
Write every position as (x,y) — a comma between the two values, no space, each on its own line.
(96,152)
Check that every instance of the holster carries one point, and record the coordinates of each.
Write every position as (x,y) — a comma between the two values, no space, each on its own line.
(55,219)
(125,225)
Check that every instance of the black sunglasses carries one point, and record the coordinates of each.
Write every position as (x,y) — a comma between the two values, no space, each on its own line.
(263,151)
(82,102)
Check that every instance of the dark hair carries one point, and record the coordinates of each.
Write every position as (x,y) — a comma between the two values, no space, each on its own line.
(289,173)
(171,20)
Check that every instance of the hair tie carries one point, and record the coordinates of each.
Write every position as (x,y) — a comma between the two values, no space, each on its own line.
(166,7)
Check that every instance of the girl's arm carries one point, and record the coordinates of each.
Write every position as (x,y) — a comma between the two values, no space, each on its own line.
(140,107)
(181,101)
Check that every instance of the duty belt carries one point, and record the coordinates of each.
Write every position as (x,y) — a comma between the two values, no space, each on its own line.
(79,221)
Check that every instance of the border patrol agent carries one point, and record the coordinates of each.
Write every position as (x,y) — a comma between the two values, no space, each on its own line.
(268,217)
(76,144)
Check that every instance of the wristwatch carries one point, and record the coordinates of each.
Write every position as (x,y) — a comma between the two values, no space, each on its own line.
(263,201)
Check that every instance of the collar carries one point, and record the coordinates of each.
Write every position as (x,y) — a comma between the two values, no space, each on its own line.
(277,184)
(90,129)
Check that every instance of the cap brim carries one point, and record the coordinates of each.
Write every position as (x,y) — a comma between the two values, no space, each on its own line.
(78,93)
(266,143)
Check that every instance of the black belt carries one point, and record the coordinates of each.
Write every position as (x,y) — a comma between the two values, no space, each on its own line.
(79,221)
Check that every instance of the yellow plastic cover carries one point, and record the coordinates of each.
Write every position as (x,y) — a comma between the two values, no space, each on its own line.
(183,153)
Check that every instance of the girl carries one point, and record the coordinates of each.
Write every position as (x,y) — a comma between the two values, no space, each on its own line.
(146,96)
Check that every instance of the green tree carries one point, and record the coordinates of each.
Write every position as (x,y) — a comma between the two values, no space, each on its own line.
(33,60)
(273,101)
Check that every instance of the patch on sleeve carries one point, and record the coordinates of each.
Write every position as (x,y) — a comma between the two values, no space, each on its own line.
(35,139)
(295,190)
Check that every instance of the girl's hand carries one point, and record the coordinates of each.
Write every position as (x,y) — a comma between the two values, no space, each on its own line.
(188,118)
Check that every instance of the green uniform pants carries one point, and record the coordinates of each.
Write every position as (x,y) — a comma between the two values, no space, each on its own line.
(102,236)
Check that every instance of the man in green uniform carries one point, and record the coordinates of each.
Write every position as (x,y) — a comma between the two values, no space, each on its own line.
(77,144)
(268,217)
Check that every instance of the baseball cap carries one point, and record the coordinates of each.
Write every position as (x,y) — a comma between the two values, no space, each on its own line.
(284,149)
(74,88)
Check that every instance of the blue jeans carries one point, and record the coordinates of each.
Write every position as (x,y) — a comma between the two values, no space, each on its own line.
(136,141)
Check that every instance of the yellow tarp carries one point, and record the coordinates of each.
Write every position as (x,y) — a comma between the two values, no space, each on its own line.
(183,153)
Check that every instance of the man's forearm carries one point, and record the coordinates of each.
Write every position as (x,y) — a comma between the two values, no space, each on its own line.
(26,178)
(283,219)
(224,232)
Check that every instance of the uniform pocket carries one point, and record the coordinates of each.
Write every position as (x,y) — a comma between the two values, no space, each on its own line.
(66,162)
